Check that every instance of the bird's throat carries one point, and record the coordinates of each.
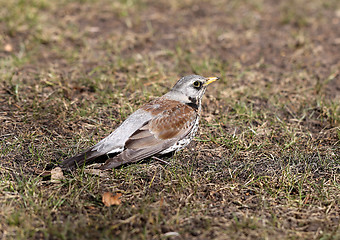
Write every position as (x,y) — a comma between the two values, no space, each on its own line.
(193,102)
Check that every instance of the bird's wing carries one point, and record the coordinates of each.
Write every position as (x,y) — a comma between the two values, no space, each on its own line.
(170,125)
(114,143)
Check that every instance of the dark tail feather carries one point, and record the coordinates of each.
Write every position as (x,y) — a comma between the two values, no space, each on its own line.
(81,159)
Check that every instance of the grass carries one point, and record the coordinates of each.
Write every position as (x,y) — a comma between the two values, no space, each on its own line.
(265,164)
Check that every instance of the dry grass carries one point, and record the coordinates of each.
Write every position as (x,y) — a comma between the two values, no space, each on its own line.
(265,164)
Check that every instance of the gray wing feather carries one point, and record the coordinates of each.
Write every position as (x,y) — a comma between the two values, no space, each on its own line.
(116,140)
(114,143)
(132,155)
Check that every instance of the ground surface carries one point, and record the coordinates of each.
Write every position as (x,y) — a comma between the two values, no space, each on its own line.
(265,164)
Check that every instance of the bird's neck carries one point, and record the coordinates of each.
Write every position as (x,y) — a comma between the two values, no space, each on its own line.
(195,103)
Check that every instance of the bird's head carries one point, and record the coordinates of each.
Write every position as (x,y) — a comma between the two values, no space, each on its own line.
(191,88)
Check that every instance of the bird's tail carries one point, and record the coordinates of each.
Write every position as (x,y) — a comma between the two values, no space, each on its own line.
(80,159)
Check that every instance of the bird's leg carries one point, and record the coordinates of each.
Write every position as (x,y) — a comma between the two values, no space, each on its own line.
(160,160)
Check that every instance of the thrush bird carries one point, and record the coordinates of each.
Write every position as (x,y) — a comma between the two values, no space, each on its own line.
(164,125)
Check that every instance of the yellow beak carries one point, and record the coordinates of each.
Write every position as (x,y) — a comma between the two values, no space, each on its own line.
(210,80)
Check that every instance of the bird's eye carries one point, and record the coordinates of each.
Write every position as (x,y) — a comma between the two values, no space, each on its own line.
(197,84)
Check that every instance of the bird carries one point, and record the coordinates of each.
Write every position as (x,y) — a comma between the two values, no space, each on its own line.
(164,125)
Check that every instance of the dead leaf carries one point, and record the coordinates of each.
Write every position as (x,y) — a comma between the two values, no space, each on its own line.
(209,118)
(8,48)
(56,175)
(108,199)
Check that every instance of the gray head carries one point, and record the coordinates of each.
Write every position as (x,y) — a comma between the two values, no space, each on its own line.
(190,88)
